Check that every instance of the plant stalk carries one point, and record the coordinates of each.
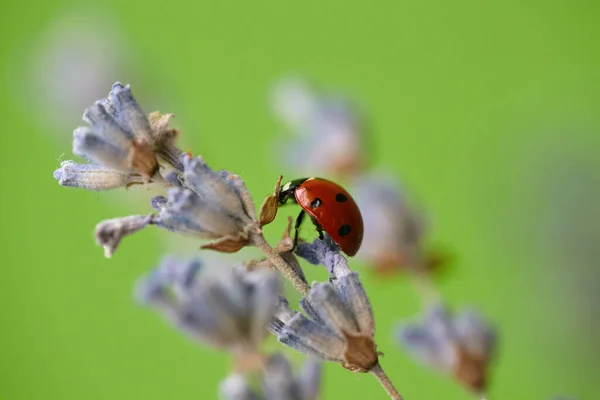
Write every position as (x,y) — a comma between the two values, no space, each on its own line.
(385,382)
(259,241)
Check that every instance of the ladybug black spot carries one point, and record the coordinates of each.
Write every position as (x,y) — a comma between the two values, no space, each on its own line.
(315,203)
(344,230)
(340,197)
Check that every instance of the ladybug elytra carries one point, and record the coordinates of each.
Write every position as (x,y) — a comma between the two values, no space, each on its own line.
(331,209)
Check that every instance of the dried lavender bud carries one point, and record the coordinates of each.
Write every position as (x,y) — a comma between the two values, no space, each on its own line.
(110,232)
(279,382)
(462,345)
(341,327)
(230,310)
(122,143)
(393,231)
(235,387)
(211,205)
(328,130)
(94,177)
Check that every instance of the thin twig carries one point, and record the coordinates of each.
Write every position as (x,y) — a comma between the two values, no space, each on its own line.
(385,382)
(288,272)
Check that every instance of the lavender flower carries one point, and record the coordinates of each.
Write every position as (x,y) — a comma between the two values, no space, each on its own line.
(340,325)
(230,310)
(208,205)
(328,130)
(393,231)
(123,145)
(278,382)
(211,205)
(462,345)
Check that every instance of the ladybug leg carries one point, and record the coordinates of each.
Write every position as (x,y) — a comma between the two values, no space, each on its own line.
(320,231)
(319,228)
(297,227)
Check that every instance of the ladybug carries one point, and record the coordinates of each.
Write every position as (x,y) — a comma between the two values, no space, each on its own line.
(331,209)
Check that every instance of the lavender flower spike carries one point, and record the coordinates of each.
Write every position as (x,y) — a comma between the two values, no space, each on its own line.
(207,204)
(278,382)
(394,232)
(212,205)
(229,310)
(462,345)
(341,327)
(124,146)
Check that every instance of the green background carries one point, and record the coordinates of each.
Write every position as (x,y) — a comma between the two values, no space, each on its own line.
(487,111)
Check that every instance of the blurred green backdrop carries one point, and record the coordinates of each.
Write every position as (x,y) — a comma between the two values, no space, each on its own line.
(488,112)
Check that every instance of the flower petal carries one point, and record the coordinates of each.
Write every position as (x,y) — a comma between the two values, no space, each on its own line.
(474,334)
(326,301)
(278,380)
(93,176)
(234,387)
(310,380)
(313,339)
(354,296)
(110,232)
(128,112)
(100,151)
(106,126)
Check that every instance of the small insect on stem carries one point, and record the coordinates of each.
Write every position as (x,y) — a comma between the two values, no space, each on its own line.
(331,209)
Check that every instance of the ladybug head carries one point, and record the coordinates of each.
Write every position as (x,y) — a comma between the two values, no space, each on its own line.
(286,192)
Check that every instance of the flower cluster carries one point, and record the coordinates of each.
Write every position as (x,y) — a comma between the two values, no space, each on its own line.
(394,240)
(122,145)
(233,309)
(278,382)
(462,345)
(228,309)
(327,130)
(339,324)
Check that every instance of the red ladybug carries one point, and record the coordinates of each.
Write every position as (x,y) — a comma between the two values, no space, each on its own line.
(330,207)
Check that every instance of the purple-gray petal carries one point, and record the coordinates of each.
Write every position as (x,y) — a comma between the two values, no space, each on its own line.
(326,301)
(234,387)
(128,112)
(427,348)
(109,233)
(212,188)
(278,380)
(474,334)
(95,148)
(93,176)
(282,315)
(310,379)
(310,311)
(158,202)
(105,125)
(310,338)
(264,300)
(354,296)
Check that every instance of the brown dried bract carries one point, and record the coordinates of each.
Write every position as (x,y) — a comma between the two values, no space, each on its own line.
(227,244)
(361,354)
(143,159)
(471,370)
(268,210)
(159,126)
